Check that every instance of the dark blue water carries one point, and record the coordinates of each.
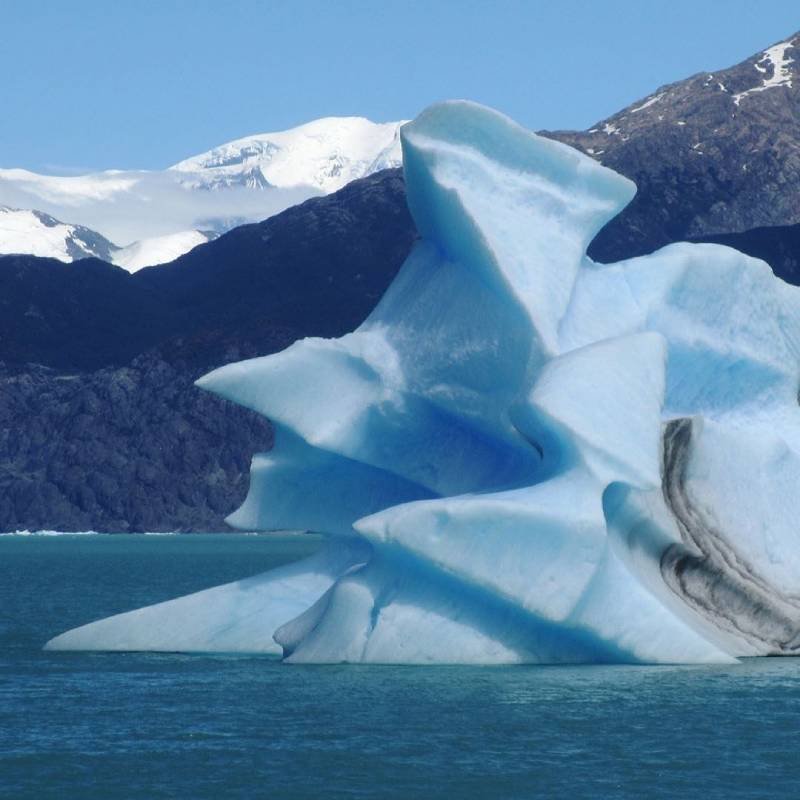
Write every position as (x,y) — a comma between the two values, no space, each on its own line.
(157,726)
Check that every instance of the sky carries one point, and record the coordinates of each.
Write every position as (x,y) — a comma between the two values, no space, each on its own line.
(137,84)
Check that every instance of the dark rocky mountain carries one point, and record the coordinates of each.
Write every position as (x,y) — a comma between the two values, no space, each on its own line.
(100,425)
(716,153)
(316,269)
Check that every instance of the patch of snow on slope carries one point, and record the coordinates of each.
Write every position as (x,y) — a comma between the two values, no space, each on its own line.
(647,103)
(781,75)
(157,250)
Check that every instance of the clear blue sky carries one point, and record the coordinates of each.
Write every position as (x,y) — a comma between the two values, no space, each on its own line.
(141,84)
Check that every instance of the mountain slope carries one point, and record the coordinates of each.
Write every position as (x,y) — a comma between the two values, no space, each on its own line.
(325,153)
(158,249)
(31,232)
(39,234)
(316,268)
(716,153)
(78,316)
(129,448)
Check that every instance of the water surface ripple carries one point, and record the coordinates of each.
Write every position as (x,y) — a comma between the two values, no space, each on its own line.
(173,726)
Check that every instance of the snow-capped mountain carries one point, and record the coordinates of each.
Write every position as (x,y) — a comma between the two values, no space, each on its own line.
(31,232)
(326,154)
(246,180)
(38,234)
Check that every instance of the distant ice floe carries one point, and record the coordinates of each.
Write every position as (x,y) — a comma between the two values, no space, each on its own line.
(521,456)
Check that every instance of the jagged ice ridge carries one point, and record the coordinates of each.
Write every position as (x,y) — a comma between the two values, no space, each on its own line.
(521,455)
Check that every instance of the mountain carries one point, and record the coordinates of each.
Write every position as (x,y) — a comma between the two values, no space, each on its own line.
(713,154)
(39,234)
(326,154)
(239,182)
(131,448)
(32,232)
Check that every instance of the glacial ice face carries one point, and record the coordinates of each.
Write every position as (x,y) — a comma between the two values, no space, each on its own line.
(521,456)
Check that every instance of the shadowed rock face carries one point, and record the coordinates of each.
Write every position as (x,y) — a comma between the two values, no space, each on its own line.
(708,573)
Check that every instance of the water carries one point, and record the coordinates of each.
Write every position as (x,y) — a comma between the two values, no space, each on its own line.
(158,726)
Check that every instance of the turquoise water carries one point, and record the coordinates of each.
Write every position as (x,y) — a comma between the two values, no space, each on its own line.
(159,726)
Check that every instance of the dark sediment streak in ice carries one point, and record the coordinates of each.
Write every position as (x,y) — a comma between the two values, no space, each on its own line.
(707,572)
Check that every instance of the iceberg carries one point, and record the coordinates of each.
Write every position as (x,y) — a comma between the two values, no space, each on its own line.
(521,456)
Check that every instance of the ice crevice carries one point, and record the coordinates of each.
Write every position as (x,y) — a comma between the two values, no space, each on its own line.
(500,455)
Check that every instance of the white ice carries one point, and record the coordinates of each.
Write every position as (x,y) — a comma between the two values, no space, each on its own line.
(522,456)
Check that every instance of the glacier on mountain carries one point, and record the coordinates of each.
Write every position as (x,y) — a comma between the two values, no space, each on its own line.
(521,455)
